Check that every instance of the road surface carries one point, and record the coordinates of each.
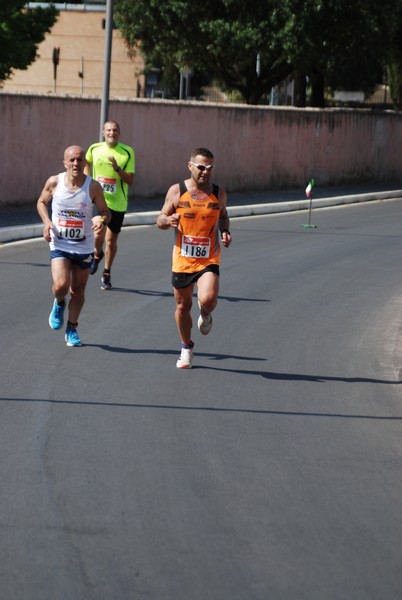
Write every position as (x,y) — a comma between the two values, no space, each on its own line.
(271,470)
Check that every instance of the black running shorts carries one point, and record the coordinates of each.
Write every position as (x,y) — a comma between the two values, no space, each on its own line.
(182,280)
(116,222)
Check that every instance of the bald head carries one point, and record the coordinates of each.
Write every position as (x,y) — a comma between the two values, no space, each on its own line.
(74,161)
(73,151)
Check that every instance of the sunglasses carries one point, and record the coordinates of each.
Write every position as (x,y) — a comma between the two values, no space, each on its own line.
(202,167)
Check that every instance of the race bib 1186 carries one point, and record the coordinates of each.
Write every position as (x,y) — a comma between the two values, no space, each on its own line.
(195,247)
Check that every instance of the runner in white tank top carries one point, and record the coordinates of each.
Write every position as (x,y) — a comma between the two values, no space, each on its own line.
(72,213)
(70,233)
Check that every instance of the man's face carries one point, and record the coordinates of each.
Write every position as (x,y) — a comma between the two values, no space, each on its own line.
(201,169)
(111,133)
(74,161)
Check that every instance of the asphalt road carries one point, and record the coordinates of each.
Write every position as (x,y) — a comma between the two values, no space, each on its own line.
(270,471)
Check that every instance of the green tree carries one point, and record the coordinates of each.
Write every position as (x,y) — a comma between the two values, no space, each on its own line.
(232,42)
(338,43)
(252,47)
(394,60)
(21,31)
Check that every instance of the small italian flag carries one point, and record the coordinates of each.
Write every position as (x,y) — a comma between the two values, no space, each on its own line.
(309,188)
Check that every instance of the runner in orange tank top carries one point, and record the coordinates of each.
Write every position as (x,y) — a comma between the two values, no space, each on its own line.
(196,210)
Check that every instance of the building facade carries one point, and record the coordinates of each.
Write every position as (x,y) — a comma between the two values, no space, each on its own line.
(78,38)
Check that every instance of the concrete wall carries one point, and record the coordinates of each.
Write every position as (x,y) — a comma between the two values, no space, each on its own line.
(255,148)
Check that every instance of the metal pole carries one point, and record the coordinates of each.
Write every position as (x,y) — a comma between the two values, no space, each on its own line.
(106,66)
(181,93)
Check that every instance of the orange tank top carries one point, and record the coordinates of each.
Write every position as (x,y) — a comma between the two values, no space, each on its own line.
(197,238)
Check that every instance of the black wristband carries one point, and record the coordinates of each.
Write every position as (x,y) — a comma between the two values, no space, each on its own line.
(225,231)
(118,169)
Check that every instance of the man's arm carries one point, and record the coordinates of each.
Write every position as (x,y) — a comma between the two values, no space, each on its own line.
(168,216)
(124,175)
(224,222)
(42,205)
(99,221)
(88,166)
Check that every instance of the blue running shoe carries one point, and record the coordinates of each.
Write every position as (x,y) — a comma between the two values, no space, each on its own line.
(71,337)
(106,284)
(95,262)
(56,317)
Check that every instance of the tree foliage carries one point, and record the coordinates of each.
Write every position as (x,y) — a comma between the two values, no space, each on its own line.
(338,43)
(223,38)
(21,31)
(334,43)
(394,62)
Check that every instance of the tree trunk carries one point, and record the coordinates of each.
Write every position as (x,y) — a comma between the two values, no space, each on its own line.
(395,83)
(299,96)
(317,90)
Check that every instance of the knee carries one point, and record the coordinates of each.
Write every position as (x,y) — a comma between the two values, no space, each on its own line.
(100,235)
(78,293)
(60,288)
(111,242)
(183,305)
(208,302)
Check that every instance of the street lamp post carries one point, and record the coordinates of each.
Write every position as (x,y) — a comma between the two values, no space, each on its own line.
(106,66)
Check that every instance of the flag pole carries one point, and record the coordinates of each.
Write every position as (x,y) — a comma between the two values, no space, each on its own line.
(309,195)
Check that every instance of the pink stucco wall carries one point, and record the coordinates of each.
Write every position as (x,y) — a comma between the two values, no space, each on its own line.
(255,148)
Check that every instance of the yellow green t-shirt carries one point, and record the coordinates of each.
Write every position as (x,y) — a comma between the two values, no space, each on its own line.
(114,188)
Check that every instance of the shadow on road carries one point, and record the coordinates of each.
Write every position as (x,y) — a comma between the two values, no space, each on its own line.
(169,407)
(170,294)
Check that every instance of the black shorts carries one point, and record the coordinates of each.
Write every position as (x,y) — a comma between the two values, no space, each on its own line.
(116,222)
(182,280)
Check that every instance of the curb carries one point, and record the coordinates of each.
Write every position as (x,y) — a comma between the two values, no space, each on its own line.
(21,232)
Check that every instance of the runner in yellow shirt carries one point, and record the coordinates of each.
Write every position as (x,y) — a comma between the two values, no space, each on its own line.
(113,165)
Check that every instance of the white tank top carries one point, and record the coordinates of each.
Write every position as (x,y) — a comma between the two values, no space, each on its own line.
(72,218)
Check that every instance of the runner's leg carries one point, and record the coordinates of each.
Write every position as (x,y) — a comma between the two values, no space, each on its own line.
(208,289)
(184,301)
(111,248)
(60,268)
(79,278)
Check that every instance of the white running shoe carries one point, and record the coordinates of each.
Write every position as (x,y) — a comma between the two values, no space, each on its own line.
(185,359)
(204,322)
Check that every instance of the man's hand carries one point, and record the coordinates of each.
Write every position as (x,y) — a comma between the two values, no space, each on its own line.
(46,231)
(98,225)
(174,220)
(226,238)
(113,162)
